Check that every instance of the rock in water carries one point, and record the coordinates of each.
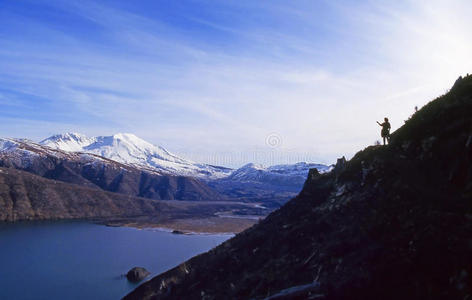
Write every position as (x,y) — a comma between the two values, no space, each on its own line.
(137,274)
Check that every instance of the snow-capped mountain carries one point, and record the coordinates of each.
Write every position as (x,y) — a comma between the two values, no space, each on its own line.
(286,174)
(129,149)
(271,186)
(72,142)
(93,171)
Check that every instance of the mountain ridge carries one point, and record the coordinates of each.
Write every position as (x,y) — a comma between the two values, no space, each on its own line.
(94,171)
(129,149)
(26,196)
(98,172)
(137,149)
(273,185)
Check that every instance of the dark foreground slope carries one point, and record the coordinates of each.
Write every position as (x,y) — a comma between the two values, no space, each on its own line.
(394,222)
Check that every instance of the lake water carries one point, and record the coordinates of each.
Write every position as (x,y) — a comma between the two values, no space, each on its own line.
(77,260)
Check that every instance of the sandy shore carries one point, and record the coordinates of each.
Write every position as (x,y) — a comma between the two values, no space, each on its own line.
(213,225)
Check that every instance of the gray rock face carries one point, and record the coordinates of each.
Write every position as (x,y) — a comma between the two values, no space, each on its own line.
(340,165)
(137,274)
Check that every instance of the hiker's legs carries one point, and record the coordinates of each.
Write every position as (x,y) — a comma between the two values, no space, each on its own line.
(383,139)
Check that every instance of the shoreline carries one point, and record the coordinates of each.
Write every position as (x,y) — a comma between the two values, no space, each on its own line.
(223,224)
(178,232)
(189,226)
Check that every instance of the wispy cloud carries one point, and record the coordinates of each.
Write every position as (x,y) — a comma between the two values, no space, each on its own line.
(201,76)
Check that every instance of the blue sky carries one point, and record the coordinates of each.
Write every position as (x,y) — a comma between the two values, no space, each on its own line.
(228,82)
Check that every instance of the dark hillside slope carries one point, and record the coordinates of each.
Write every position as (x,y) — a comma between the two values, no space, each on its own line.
(394,222)
(25,196)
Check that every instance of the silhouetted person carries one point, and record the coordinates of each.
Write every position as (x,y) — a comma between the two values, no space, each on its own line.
(385,133)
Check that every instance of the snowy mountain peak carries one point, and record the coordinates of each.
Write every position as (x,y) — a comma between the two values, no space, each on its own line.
(278,173)
(70,136)
(127,148)
(127,136)
(252,166)
(132,141)
(71,142)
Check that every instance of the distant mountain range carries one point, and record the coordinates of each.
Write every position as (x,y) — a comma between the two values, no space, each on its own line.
(278,175)
(38,182)
(94,171)
(272,186)
(123,164)
(251,181)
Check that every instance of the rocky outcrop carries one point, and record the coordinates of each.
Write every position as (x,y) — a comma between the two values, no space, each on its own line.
(137,274)
(394,222)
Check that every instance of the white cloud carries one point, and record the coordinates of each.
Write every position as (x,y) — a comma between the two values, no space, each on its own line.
(321,92)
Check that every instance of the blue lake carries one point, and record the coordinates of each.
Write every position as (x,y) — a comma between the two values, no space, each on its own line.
(77,260)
